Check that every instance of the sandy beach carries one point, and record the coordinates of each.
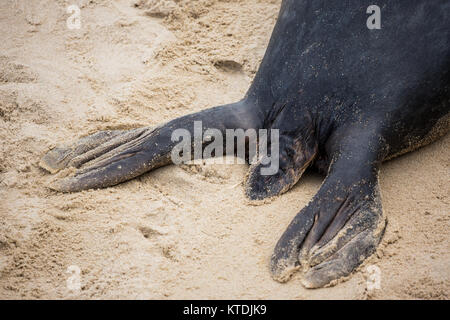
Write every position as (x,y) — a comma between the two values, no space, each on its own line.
(180,232)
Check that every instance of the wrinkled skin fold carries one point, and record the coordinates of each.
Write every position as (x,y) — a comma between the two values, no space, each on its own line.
(344,99)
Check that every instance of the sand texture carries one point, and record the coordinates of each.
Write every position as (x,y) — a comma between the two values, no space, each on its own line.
(178,232)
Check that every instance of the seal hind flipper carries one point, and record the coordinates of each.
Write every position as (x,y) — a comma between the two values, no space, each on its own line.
(356,240)
(343,223)
(108,158)
(61,157)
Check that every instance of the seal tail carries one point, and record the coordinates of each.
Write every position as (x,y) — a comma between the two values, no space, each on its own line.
(296,150)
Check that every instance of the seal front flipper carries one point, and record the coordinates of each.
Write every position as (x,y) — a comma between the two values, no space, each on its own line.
(110,157)
(344,222)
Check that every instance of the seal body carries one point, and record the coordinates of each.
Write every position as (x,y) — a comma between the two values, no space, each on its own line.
(343,97)
(330,65)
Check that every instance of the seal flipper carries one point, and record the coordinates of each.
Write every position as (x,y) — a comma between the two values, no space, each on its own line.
(295,155)
(109,158)
(333,249)
(298,146)
(87,148)
(343,223)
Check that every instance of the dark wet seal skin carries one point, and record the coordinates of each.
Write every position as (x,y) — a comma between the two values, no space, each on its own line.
(345,98)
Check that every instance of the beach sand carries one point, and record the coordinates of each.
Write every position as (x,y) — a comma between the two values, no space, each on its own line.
(179,232)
